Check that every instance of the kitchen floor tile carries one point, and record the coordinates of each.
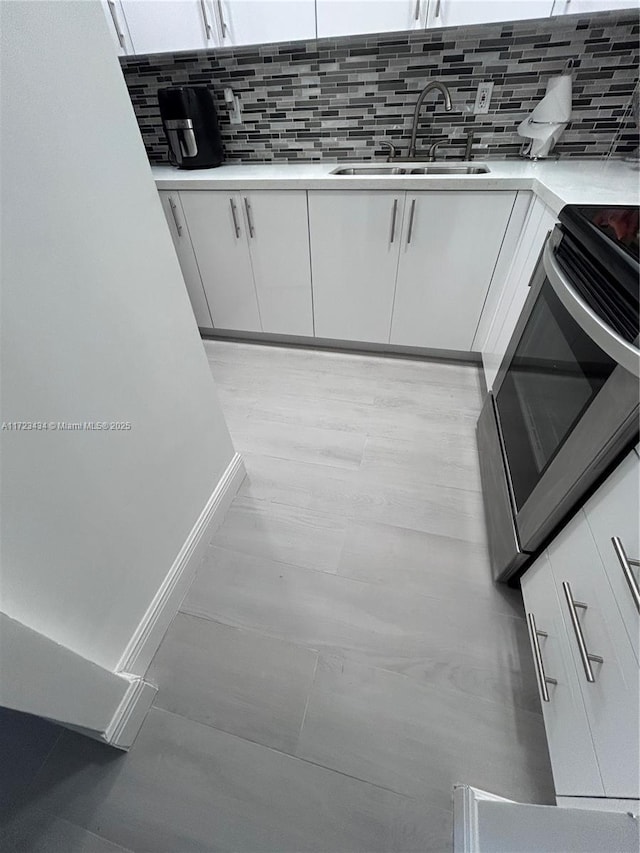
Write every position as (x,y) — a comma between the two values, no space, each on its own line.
(185,787)
(424,563)
(237,681)
(350,494)
(421,739)
(35,831)
(455,643)
(283,533)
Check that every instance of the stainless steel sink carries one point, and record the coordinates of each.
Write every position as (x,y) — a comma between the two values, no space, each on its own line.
(423,169)
(370,170)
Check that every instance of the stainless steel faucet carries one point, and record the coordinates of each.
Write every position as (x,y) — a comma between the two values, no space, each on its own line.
(435,84)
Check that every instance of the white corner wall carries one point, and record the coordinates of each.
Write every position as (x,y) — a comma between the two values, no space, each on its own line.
(96,326)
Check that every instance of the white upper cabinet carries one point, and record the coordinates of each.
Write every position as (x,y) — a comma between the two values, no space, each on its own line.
(455,13)
(355,237)
(582,7)
(263,21)
(450,244)
(163,26)
(117,26)
(166,26)
(349,17)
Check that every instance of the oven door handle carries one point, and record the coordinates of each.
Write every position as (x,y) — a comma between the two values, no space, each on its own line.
(621,351)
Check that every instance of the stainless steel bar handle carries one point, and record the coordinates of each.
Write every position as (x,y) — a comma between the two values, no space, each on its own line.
(586,657)
(543,679)
(626,563)
(207,26)
(410,230)
(416,14)
(394,213)
(174,209)
(436,14)
(223,25)
(116,23)
(235,219)
(247,208)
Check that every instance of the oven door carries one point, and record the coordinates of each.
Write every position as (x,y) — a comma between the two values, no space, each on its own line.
(566,397)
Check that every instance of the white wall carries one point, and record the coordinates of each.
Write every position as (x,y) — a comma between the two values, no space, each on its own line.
(96,325)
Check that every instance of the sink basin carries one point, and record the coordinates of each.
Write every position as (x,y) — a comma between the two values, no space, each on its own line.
(423,169)
(370,170)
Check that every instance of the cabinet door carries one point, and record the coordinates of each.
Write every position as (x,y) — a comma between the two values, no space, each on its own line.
(221,247)
(614,510)
(348,17)
(355,238)
(278,228)
(539,222)
(611,699)
(117,26)
(587,7)
(172,207)
(573,757)
(519,216)
(261,21)
(164,26)
(450,245)
(454,13)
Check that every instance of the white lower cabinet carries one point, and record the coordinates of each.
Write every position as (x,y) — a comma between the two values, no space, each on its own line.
(615,512)
(253,254)
(611,698)
(276,222)
(370,266)
(217,230)
(172,207)
(355,239)
(511,287)
(573,757)
(449,247)
(572,578)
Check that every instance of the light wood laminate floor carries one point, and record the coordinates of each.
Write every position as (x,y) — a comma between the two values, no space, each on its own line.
(343,657)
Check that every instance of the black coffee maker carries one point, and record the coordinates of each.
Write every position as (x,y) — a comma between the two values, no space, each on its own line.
(191,125)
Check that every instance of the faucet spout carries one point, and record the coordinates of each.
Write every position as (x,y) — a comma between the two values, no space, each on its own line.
(430,87)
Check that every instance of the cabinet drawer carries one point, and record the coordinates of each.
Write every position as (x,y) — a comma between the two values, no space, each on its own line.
(609,680)
(614,511)
(573,758)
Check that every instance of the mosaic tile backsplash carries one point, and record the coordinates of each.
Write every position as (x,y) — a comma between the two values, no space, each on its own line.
(338,98)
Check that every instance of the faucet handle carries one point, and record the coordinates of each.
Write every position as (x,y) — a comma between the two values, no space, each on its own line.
(468,149)
(393,151)
(431,156)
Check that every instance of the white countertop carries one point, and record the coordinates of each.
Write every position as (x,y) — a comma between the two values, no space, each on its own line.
(556,182)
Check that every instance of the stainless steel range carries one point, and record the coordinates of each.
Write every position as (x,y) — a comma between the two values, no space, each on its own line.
(564,406)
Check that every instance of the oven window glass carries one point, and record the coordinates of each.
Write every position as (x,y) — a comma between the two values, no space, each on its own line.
(554,374)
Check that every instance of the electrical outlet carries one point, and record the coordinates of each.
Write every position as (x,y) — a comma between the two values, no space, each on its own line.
(483,98)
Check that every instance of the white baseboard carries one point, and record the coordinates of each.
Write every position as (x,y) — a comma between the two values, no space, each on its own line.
(149,633)
(127,720)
